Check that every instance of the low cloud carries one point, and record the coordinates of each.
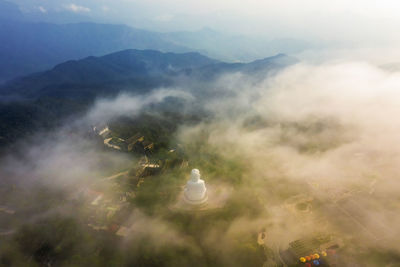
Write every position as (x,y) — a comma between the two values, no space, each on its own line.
(321,135)
(326,132)
(128,105)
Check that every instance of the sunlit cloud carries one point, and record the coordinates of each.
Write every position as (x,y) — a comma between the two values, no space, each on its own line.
(164,18)
(76,8)
(42,9)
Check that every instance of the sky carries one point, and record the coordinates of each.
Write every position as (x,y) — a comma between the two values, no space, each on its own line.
(341,21)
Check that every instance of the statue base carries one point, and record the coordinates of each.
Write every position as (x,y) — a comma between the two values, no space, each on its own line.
(215,199)
(199,202)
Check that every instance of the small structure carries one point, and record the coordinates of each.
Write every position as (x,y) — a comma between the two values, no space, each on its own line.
(105,132)
(195,192)
(109,143)
(261,238)
(319,249)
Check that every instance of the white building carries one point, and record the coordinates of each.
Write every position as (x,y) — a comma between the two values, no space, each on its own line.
(195,192)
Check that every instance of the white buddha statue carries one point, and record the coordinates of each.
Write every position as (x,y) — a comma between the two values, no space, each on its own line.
(195,192)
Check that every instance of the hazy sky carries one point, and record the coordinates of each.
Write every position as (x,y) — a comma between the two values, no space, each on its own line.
(356,21)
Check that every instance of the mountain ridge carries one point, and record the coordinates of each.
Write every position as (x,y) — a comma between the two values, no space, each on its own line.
(133,64)
(118,66)
(43,100)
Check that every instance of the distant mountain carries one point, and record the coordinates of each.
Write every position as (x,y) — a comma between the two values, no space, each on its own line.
(31,47)
(27,47)
(256,67)
(392,67)
(234,48)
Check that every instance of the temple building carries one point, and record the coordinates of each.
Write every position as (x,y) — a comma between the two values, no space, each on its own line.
(195,192)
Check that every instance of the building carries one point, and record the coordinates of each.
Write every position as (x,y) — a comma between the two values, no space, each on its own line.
(195,192)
